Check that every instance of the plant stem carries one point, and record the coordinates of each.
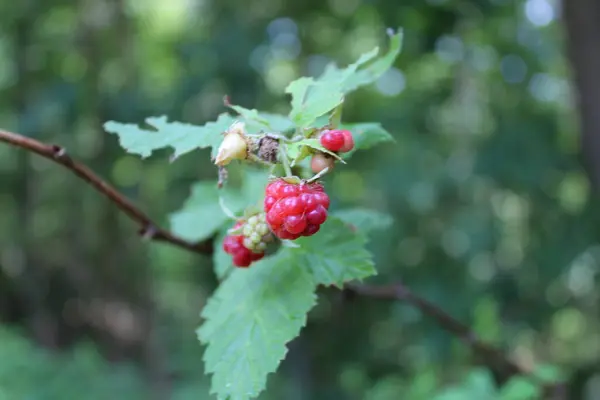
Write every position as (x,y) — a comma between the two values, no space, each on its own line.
(320,174)
(284,159)
(226,209)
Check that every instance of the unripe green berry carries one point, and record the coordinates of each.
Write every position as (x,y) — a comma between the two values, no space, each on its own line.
(262,229)
(255,237)
(248,243)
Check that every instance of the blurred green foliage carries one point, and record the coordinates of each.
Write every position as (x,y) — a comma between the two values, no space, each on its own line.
(493,215)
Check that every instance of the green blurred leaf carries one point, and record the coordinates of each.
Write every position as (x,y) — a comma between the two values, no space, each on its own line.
(253,188)
(520,388)
(201,215)
(221,260)
(366,135)
(364,220)
(335,255)
(249,320)
(182,137)
(478,384)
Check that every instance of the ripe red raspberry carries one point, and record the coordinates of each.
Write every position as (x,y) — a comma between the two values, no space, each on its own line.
(251,244)
(295,210)
(332,140)
(337,140)
(348,142)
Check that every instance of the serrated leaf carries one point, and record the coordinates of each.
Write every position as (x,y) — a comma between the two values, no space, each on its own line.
(252,116)
(182,137)
(249,320)
(366,135)
(366,69)
(278,122)
(312,99)
(364,220)
(221,261)
(297,151)
(377,68)
(335,255)
(201,215)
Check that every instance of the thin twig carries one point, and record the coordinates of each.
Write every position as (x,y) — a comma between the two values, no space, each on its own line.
(400,292)
(58,154)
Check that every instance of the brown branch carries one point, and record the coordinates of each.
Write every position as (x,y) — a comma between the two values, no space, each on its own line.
(148,229)
(400,292)
(493,357)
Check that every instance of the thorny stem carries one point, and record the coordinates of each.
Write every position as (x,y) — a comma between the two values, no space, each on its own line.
(490,354)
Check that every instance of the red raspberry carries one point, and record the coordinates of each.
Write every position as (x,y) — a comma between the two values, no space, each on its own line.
(332,140)
(337,140)
(295,210)
(250,245)
(348,142)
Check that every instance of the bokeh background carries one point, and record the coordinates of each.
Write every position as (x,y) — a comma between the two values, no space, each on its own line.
(495,213)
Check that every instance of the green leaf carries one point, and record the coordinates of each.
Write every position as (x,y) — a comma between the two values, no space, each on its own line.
(335,255)
(180,136)
(366,135)
(364,220)
(278,122)
(520,388)
(478,384)
(377,68)
(251,115)
(221,260)
(297,151)
(249,320)
(201,215)
(253,189)
(312,99)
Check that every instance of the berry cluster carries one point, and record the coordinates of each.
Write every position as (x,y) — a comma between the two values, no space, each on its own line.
(336,141)
(295,210)
(251,244)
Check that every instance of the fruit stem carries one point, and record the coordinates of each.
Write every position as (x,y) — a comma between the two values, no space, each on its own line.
(284,159)
(226,209)
(317,176)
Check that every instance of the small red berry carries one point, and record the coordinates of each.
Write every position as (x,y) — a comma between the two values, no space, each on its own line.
(332,140)
(348,142)
(320,161)
(296,209)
